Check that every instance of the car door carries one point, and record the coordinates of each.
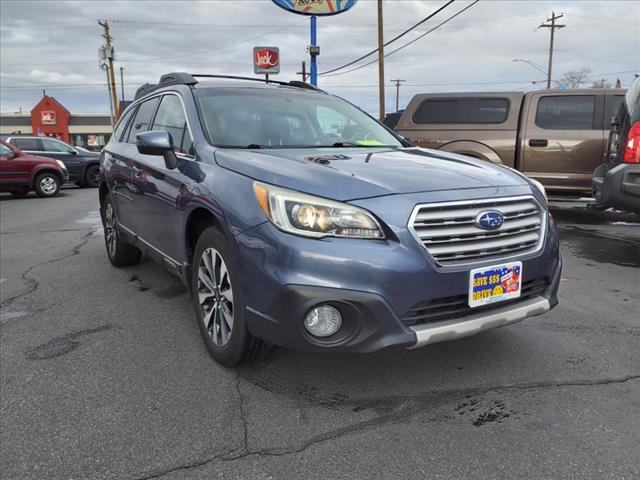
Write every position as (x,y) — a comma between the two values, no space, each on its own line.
(125,171)
(563,140)
(14,171)
(157,199)
(74,162)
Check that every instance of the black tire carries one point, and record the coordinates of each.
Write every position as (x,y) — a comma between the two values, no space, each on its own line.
(241,346)
(120,253)
(91,176)
(47,184)
(19,193)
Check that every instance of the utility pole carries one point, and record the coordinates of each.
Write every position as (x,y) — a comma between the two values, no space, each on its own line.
(303,72)
(552,28)
(397,81)
(109,57)
(381,61)
(122,83)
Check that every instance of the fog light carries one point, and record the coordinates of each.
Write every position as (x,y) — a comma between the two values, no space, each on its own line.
(323,321)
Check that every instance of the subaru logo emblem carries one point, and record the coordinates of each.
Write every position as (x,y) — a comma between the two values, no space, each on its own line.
(490,220)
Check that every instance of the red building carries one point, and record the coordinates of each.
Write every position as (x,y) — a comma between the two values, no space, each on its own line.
(50,118)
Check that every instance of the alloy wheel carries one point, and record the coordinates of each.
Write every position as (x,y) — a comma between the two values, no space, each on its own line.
(215,296)
(110,229)
(48,185)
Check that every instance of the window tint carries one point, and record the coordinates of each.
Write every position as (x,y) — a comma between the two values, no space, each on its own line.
(142,120)
(566,112)
(462,110)
(170,118)
(5,151)
(50,145)
(32,144)
(121,125)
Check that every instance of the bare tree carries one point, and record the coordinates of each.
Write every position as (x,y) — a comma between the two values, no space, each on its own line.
(575,78)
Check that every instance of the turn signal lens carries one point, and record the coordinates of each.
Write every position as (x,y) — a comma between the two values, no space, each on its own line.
(262,195)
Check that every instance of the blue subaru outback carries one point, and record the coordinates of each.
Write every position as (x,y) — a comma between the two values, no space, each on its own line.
(296,219)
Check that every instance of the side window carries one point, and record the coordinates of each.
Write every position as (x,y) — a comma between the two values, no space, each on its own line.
(28,144)
(171,118)
(462,110)
(122,124)
(566,112)
(51,145)
(143,117)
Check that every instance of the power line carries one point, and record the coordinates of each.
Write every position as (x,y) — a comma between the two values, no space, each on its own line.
(412,41)
(390,41)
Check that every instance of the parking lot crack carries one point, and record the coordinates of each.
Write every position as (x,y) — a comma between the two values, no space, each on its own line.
(32,282)
(243,417)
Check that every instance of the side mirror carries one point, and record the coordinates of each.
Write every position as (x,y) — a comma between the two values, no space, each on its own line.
(157,142)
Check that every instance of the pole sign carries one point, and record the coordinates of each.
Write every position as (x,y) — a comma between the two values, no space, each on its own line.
(316,7)
(266,60)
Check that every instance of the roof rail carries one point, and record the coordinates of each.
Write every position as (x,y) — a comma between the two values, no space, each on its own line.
(292,83)
(166,80)
(183,78)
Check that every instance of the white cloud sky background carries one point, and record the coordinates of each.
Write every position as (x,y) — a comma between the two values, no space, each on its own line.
(52,44)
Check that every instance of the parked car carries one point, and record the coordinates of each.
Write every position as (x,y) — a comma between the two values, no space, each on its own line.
(296,219)
(83,166)
(616,183)
(554,136)
(21,173)
(391,119)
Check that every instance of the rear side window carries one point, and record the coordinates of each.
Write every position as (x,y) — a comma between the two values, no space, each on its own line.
(142,120)
(462,110)
(566,112)
(171,118)
(32,144)
(122,124)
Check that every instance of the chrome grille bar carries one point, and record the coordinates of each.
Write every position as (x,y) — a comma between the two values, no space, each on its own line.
(449,233)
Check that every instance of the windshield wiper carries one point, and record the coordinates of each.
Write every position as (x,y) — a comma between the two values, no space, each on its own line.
(353,144)
(251,146)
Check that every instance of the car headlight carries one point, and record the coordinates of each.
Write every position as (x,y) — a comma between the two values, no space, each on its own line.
(62,165)
(540,187)
(310,216)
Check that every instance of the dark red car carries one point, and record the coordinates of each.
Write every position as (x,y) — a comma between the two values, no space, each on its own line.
(21,173)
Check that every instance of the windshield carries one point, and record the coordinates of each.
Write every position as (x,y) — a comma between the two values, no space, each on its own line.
(260,118)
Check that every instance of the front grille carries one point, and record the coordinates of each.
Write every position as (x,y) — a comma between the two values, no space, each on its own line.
(450,234)
(448,308)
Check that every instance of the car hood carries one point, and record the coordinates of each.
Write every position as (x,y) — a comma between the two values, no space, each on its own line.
(354,173)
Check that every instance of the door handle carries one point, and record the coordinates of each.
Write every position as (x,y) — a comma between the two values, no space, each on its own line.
(538,142)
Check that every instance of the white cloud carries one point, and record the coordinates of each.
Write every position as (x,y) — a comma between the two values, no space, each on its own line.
(56,43)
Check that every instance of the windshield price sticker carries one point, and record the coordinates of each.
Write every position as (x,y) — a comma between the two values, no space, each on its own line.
(494,284)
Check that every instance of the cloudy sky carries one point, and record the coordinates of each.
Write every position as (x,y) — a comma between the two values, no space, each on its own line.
(54,45)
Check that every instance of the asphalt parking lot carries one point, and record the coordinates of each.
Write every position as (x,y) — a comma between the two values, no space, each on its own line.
(103,374)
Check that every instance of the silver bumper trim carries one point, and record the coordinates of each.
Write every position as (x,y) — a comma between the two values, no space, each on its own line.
(453,329)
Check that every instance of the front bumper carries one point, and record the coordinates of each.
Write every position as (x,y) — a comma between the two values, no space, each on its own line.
(618,187)
(374,284)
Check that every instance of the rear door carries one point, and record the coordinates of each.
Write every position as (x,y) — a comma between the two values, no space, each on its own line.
(563,139)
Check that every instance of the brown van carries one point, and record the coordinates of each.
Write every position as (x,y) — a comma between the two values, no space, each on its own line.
(557,137)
